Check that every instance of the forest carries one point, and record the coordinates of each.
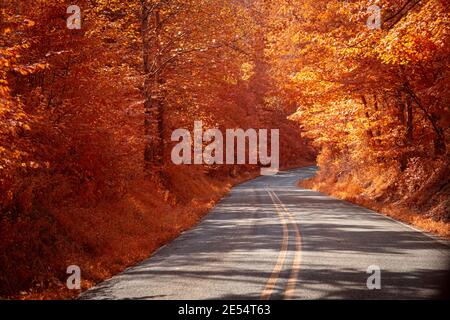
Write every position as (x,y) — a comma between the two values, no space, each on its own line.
(90,98)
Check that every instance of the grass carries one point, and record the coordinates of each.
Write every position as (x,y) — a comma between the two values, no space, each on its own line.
(350,192)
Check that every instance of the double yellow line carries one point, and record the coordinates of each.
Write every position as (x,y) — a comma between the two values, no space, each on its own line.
(286,218)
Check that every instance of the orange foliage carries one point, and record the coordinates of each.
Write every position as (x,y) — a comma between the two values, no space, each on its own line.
(86,118)
(80,112)
(375,102)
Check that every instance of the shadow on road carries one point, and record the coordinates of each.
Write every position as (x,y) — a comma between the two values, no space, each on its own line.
(231,246)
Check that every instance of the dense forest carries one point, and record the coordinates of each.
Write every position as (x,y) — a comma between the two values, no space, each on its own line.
(375,101)
(89,102)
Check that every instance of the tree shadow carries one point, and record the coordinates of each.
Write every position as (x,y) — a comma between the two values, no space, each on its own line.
(231,253)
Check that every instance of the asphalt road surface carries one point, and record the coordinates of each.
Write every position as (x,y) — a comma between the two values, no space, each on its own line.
(269,239)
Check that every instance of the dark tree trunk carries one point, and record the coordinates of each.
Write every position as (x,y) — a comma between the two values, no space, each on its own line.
(409,122)
(153,100)
(439,140)
(401,108)
(440,147)
(409,133)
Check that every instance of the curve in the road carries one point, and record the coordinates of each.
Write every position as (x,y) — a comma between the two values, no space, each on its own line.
(269,239)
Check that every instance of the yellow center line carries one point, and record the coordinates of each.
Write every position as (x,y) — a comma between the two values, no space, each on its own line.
(290,288)
(267,292)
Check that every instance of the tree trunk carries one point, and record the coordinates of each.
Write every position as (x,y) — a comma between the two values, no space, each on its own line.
(409,135)
(409,122)
(377,130)
(401,108)
(153,100)
(439,141)
(366,113)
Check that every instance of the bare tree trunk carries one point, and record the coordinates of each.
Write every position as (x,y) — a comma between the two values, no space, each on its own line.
(409,122)
(401,108)
(439,140)
(440,147)
(409,133)
(153,101)
(401,104)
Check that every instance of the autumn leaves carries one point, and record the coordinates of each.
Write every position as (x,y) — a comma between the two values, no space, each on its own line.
(375,102)
(336,63)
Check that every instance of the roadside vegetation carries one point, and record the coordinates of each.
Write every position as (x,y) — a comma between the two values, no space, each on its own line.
(86,117)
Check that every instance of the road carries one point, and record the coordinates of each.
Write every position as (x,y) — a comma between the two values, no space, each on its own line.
(269,239)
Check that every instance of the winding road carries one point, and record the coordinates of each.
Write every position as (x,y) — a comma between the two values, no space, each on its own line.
(269,239)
